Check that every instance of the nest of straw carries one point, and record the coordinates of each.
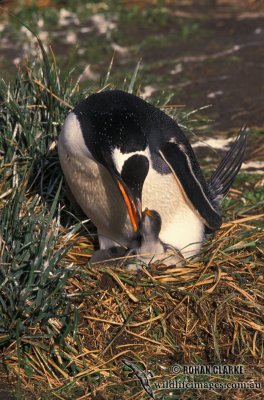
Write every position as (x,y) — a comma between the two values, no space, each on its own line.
(209,311)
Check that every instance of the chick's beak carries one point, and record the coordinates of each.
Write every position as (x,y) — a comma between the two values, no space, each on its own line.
(148,212)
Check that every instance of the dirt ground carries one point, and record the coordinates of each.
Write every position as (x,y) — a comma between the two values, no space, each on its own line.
(227,70)
(220,64)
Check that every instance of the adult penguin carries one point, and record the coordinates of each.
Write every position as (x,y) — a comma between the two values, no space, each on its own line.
(114,145)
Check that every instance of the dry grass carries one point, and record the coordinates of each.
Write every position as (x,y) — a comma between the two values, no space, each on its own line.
(210,311)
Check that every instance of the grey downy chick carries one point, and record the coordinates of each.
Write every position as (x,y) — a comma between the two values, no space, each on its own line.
(148,247)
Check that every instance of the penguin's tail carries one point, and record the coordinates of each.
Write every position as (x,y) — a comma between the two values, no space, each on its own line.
(222,178)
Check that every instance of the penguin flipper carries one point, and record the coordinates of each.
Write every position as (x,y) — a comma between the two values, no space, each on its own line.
(222,178)
(182,166)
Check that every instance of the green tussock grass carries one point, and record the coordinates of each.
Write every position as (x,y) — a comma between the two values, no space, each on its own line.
(65,326)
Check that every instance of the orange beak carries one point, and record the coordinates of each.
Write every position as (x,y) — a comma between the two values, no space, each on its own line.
(130,205)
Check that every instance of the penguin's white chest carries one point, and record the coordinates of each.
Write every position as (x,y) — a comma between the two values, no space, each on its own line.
(181,225)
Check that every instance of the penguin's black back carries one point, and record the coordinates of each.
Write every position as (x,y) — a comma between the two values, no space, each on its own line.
(119,119)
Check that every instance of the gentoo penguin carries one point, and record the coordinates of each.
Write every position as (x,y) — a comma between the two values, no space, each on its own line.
(103,148)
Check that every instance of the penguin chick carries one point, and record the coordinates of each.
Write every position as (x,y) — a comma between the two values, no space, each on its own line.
(148,247)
